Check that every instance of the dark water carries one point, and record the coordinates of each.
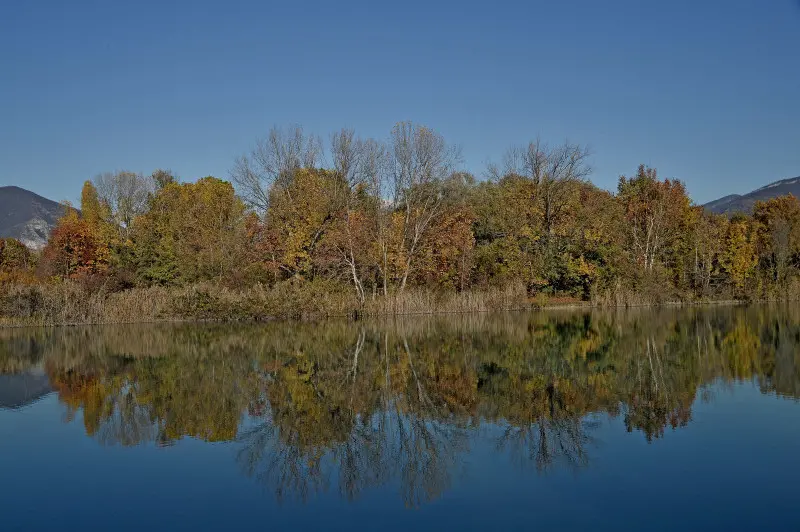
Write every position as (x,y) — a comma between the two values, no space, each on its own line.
(647,420)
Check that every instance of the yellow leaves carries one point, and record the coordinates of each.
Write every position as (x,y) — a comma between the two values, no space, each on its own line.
(300,213)
(586,269)
(16,262)
(741,346)
(535,384)
(92,209)
(192,231)
(739,257)
(586,345)
(599,381)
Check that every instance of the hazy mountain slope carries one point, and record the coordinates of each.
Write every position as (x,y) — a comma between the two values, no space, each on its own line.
(26,216)
(744,203)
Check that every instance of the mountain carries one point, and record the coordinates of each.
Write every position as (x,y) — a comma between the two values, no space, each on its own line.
(26,216)
(744,203)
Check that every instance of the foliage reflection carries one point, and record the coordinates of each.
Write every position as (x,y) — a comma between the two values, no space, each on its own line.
(400,403)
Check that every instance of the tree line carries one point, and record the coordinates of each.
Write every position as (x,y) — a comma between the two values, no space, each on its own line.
(377,218)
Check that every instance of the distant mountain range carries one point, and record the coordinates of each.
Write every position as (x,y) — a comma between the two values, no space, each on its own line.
(26,216)
(744,203)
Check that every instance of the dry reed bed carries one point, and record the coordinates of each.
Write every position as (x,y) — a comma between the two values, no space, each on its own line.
(74,304)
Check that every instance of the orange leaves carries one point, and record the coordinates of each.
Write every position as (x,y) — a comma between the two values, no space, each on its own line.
(444,258)
(75,249)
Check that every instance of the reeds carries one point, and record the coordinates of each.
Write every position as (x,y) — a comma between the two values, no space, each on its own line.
(73,304)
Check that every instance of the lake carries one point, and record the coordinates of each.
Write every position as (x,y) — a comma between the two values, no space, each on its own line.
(672,419)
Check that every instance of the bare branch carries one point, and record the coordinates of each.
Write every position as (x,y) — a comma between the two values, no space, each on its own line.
(126,194)
(273,161)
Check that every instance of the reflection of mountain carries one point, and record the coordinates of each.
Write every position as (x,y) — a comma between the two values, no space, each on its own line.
(21,389)
(353,406)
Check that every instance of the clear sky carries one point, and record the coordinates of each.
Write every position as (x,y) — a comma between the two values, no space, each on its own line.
(707,91)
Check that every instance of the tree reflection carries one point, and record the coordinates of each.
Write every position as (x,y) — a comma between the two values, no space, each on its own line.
(349,408)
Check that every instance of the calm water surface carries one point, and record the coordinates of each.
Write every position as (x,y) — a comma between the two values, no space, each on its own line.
(656,420)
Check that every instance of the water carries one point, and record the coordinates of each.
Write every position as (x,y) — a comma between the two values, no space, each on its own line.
(656,420)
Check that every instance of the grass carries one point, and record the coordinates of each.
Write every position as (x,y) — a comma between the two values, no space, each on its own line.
(73,303)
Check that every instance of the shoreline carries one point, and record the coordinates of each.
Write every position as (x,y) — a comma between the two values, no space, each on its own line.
(12,323)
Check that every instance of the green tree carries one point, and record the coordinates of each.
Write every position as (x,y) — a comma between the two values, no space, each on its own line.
(191,232)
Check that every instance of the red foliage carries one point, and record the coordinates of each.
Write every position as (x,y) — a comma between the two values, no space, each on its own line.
(74,250)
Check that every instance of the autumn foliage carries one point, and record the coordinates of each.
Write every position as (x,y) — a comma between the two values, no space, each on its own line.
(388,217)
(75,249)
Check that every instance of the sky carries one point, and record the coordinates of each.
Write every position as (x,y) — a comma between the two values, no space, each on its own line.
(705,91)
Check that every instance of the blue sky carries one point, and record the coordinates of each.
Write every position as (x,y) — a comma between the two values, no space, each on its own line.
(706,91)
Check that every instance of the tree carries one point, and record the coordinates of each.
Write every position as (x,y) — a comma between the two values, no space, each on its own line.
(655,211)
(594,242)
(302,210)
(192,232)
(162,178)
(708,243)
(739,257)
(16,261)
(97,213)
(375,168)
(274,160)
(349,165)
(778,236)
(75,248)
(420,161)
(507,231)
(554,172)
(91,209)
(445,253)
(126,194)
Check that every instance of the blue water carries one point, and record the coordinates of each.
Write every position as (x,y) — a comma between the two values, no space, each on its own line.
(734,465)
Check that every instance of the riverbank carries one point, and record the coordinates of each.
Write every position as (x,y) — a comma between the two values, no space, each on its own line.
(73,304)
(76,304)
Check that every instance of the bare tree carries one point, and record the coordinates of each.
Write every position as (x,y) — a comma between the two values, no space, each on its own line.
(272,161)
(126,194)
(375,162)
(420,161)
(347,152)
(363,164)
(553,170)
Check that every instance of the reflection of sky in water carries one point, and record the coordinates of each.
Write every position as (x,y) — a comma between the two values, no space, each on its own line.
(734,465)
